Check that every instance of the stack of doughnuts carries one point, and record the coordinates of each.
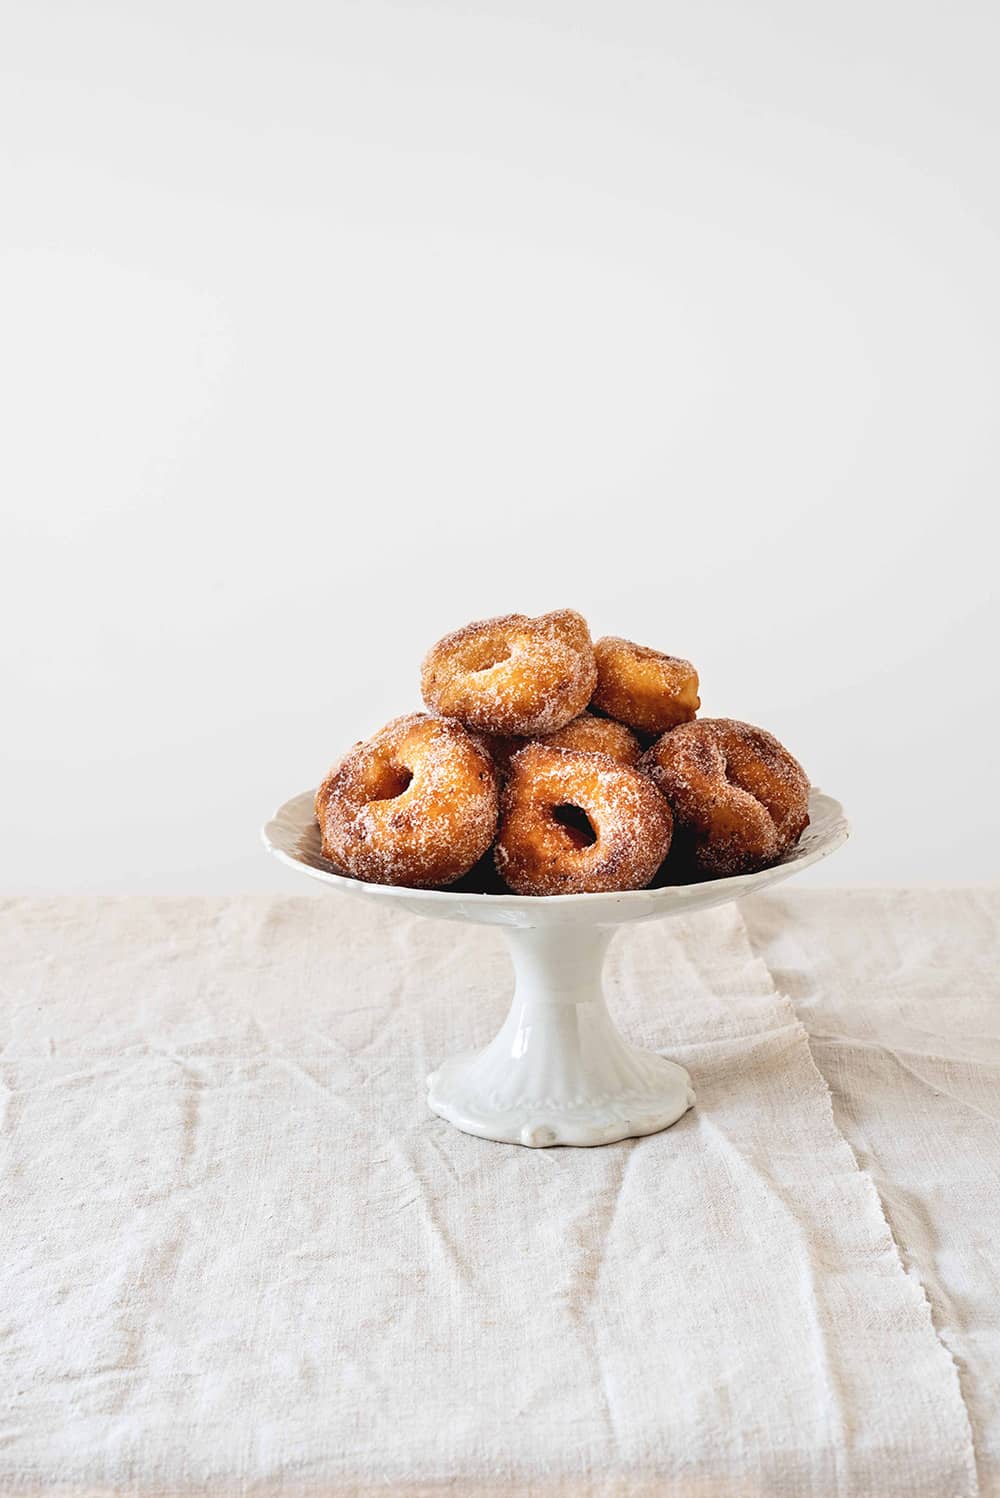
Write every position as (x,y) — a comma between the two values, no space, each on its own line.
(571,766)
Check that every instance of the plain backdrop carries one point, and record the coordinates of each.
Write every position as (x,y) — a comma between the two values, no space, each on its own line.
(326,327)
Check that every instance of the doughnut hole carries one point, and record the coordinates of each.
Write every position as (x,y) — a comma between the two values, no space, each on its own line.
(477,654)
(575,824)
(386,780)
(484,654)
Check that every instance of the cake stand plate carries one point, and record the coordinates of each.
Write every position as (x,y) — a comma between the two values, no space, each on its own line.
(559,1071)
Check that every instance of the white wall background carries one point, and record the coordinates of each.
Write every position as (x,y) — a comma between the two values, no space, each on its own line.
(328,326)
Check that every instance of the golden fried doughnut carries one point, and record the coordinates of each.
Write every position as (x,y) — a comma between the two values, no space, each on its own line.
(740,800)
(513,675)
(599,736)
(573,822)
(642,687)
(415,805)
(323,794)
(320,804)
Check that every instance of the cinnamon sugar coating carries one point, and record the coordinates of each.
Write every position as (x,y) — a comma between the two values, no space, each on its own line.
(513,675)
(644,688)
(416,804)
(740,800)
(320,802)
(599,736)
(545,845)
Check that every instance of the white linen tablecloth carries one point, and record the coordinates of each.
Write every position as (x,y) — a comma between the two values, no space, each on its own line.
(240,1256)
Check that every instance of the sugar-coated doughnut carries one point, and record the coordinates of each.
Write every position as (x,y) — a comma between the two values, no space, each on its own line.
(323,794)
(599,736)
(416,804)
(644,688)
(320,802)
(740,800)
(513,675)
(574,822)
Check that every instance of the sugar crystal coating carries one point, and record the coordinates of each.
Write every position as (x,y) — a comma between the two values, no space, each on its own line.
(513,675)
(644,688)
(416,804)
(583,808)
(740,800)
(599,735)
(541,851)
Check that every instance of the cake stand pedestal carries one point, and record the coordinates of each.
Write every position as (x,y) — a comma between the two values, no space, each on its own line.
(559,1071)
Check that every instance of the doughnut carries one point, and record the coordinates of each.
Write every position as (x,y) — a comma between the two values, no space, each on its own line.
(323,794)
(599,736)
(642,687)
(740,800)
(416,804)
(575,822)
(320,801)
(512,675)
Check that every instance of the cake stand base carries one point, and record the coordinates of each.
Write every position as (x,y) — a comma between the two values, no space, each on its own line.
(559,1072)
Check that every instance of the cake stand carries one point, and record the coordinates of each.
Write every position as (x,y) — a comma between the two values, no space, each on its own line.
(559,1071)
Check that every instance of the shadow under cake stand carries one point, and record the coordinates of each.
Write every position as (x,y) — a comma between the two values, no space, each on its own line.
(559,1071)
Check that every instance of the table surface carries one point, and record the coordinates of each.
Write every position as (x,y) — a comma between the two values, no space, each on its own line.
(240,1256)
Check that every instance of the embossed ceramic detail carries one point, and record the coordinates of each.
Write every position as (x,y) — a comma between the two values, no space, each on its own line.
(558,1072)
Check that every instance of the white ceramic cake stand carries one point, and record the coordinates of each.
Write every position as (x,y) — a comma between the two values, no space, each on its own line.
(559,1071)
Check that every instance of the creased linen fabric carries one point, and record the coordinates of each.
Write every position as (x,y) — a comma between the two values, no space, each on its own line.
(900,992)
(240,1256)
